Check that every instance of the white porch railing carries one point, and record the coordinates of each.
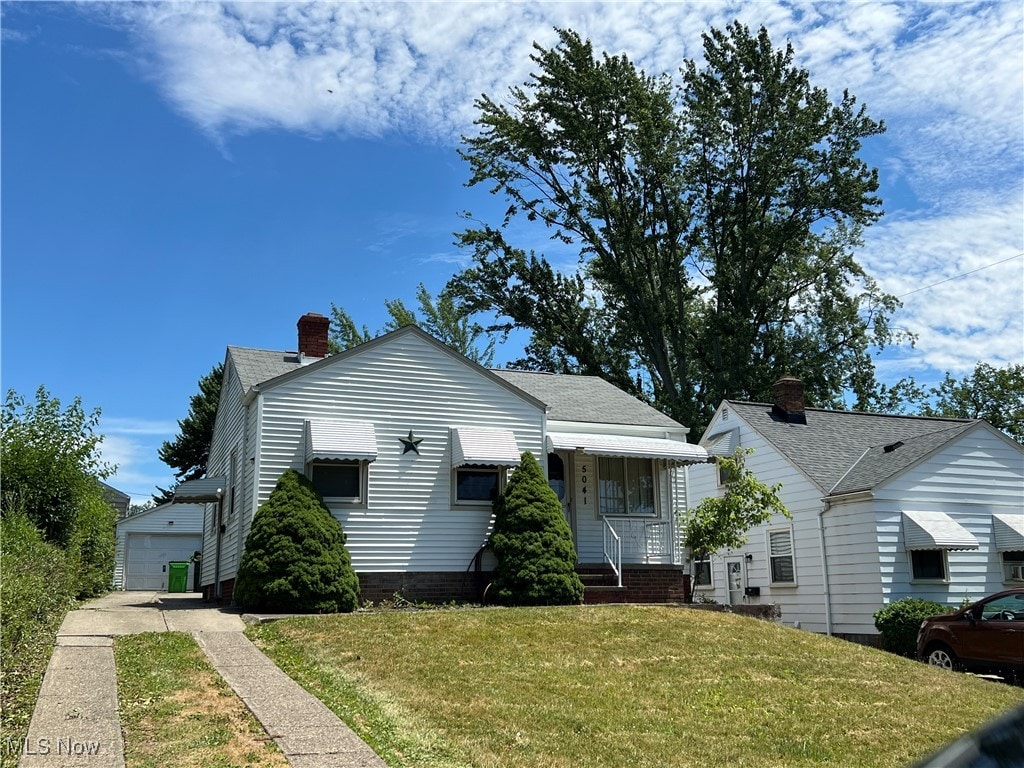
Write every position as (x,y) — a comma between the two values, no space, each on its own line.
(613,550)
(643,541)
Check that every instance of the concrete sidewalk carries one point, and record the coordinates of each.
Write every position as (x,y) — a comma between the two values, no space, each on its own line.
(76,720)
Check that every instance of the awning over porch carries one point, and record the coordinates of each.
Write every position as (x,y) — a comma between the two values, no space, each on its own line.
(935,530)
(340,441)
(484,447)
(206,490)
(1009,530)
(674,451)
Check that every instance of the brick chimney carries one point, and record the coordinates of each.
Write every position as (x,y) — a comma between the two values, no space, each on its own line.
(789,400)
(313,328)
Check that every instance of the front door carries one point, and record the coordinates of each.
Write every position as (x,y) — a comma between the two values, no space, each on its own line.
(559,478)
(734,580)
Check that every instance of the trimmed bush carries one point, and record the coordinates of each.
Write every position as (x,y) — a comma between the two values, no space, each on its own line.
(898,623)
(295,558)
(533,543)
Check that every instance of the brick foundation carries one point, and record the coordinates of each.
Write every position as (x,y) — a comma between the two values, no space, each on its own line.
(227,592)
(426,587)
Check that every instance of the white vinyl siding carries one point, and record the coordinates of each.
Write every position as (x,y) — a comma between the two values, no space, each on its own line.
(407,383)
(801,603)
(227,437)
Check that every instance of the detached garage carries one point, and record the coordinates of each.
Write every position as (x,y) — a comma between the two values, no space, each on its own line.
(148,541)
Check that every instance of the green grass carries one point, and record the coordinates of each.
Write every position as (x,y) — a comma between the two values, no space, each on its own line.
(622,685)
(176,710)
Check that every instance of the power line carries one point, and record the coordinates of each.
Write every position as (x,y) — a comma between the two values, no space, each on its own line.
(965,274)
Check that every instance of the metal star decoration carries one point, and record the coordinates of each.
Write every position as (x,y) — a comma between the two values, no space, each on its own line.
(410,443)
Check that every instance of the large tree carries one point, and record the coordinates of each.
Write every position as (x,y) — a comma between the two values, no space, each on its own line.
(714,221)
(442,318)
(189,452)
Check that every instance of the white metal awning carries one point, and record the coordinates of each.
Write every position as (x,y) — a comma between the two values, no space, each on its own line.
(1009,530)
(724,443)
(340,441)
(484,447)
(935,530)
(674,451)
(206,490)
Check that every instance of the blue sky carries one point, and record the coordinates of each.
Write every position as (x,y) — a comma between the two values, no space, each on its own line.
(179,177)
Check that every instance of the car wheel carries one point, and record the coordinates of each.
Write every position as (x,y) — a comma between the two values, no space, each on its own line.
(942,656)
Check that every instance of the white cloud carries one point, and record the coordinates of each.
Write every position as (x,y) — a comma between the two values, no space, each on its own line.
(133,426)
(948,78)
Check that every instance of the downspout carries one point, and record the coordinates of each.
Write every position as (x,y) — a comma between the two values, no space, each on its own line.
(824,567)
(219,534)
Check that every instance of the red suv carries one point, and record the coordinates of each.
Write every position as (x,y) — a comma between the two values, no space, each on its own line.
(985,637)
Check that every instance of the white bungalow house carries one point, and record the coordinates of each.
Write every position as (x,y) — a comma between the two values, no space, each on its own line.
(409,442)
(883,507)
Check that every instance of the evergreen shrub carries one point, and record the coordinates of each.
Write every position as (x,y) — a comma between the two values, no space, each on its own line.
(533,543)
(899,621)
(295,558)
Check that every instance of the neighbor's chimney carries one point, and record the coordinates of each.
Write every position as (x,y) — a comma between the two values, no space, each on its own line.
(789,399)
(313,329)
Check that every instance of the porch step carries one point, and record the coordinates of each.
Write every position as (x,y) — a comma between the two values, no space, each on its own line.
(602,579)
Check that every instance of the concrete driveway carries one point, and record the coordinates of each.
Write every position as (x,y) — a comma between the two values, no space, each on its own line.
(76,720)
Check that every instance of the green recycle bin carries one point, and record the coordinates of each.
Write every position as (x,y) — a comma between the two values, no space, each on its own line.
(177,577)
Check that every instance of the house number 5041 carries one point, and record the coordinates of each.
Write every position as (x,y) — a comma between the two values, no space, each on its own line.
(583,482)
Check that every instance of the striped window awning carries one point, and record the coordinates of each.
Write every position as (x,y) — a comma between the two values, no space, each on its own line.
(205,490)
(674,451)
(1009,531)
(473,446)
(340,441)
(935,530)
(723,443)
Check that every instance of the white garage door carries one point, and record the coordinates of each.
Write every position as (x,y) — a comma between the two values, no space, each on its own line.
(147,556)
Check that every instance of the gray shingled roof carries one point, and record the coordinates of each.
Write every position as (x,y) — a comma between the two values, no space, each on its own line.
(844,451)
(254,366)
(570,398)
(586,399)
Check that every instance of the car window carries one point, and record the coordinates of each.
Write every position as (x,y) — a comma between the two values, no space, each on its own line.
(1005,608)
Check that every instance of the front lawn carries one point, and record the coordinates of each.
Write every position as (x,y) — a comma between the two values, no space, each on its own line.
(622,685)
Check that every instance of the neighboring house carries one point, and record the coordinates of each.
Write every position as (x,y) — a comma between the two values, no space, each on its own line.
(119,500)
(147,541)
(893,506)
(409,442)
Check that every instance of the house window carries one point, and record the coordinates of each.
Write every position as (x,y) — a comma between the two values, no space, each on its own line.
(928,564)
(702,574)
(475,485)
(780,556)
(1013,565)
(339,481)
(626,486)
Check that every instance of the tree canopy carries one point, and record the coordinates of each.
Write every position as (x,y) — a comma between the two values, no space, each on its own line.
(441,318)
(714,221)
(990,393)
(189,452)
